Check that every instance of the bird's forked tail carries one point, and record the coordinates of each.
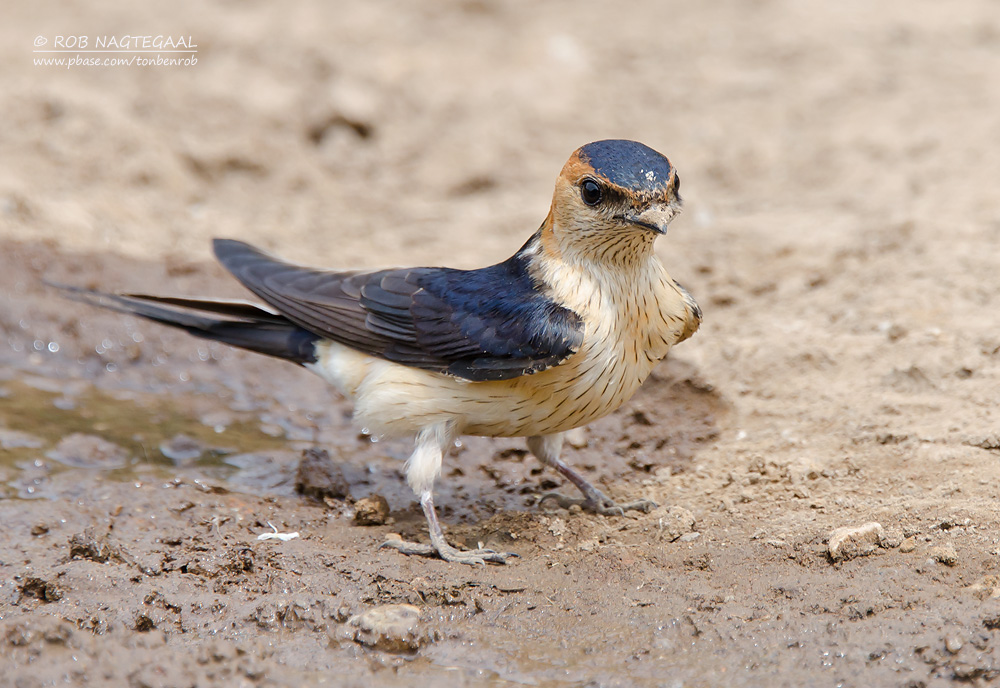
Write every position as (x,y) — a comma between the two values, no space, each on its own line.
(237,323)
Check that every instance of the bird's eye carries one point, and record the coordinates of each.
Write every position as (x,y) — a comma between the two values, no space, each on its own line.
(590,192)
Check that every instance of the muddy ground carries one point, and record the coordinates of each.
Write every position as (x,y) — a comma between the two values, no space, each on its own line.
(839,165)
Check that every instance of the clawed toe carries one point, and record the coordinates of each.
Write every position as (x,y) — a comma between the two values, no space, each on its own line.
(643,505)
(476,556)
(439,546)
(562,500)
(599,503)
(472,557)
(405,547)
(546,448)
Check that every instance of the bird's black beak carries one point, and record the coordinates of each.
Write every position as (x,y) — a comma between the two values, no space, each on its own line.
(654,219)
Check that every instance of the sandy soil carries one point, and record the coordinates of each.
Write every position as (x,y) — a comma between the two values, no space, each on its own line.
(839,167)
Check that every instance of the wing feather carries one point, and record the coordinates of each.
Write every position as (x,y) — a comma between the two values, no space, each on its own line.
(488,324)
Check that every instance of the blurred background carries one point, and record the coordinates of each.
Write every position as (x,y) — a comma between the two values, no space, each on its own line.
(839,167)
(366,133)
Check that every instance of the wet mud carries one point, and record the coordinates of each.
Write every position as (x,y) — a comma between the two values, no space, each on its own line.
(824,451)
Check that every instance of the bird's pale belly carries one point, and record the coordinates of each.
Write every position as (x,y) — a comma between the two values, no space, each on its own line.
(392,399)
(581,390)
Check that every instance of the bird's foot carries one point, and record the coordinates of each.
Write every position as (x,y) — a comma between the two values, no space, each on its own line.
(472,557)
(546,448)
(597,502)
(439,545)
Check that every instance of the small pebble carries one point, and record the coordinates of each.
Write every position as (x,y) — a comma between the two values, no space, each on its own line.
(16,439)
(64,403)
(372,510)
(944,554)
(182,449)
(390,627)
(908,545)
(88,451)
(673,523)
(850,542)
(272,430)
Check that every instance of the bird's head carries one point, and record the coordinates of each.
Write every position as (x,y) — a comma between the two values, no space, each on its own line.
(612,199)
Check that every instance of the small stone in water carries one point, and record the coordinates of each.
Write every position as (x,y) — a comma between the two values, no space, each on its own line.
(14,439)
(182,449)
(88,451)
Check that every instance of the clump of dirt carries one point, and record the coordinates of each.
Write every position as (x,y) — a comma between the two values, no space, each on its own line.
(319,477)
(373,510)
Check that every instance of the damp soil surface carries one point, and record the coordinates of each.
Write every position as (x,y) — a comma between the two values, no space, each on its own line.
(825,450)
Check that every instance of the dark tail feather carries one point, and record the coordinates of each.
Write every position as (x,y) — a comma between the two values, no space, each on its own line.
(237,323)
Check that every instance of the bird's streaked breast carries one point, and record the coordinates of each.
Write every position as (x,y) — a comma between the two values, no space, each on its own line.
(628,328)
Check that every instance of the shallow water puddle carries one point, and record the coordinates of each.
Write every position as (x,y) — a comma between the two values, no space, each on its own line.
(50,426)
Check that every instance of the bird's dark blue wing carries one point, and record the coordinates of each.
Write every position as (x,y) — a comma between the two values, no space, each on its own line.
(486,324)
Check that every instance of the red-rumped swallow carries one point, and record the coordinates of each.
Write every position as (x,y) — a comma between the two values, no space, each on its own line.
(555,337)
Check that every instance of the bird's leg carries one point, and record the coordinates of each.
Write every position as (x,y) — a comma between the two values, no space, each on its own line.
(547,448)
(439,545)
(424,465)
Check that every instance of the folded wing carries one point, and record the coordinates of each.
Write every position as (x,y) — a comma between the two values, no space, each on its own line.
(488,324)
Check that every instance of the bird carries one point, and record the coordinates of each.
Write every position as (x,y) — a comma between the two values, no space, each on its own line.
(555,337)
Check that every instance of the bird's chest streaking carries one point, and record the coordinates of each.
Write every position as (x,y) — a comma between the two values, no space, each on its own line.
(631,320)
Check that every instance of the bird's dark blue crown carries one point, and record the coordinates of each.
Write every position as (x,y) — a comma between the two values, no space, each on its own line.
(628,164)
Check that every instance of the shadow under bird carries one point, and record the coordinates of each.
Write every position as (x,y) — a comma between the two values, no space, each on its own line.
(555,337)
